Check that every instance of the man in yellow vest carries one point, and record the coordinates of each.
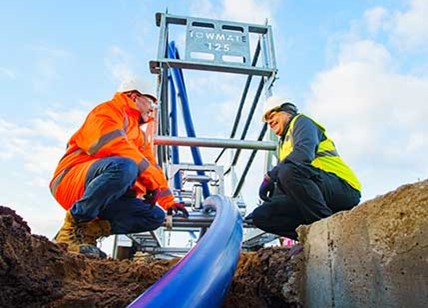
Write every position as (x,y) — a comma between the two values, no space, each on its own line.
(310,181)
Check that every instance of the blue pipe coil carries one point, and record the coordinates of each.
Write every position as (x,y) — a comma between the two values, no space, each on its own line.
(174,131)
(179,81)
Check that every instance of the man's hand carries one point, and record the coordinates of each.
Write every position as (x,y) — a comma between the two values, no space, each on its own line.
(266,188)
(249,216)
(152,196)
(178,207)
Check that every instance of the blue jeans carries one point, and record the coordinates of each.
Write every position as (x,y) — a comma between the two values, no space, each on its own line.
(304,194)
(106,184)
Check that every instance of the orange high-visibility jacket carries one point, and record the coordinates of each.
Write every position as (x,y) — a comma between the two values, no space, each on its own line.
(111,129)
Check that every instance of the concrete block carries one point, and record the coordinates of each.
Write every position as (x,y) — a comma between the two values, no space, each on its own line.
(375,255)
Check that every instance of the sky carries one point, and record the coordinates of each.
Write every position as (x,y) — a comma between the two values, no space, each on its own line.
(358,67)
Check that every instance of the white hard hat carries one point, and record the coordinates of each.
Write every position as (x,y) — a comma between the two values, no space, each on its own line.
(140,85)
(271,103)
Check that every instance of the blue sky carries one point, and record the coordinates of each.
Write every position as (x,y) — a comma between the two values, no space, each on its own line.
(358,67)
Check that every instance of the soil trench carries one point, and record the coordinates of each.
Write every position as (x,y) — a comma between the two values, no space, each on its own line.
(34,272)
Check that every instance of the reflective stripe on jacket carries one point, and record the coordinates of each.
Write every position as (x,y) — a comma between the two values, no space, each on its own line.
(110,129)
(326,157)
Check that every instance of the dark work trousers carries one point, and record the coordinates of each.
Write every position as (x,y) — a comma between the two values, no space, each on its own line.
(106,184)
(303,195)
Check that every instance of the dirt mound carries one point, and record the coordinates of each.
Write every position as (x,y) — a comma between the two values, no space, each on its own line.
(35,272)
(269,277)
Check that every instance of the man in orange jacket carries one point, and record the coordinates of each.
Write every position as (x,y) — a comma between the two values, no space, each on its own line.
(107,169)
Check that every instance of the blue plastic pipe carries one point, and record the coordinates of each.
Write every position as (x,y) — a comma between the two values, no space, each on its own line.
(174,130)
(179,80)
(203,276)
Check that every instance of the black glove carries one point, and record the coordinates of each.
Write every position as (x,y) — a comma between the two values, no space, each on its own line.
(152,196)
(249,216)
(266,188)
(178,207)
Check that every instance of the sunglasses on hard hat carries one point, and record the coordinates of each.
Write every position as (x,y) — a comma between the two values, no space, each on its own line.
(148,99)
(272,113)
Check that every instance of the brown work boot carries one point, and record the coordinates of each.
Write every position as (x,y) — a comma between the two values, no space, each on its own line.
(89,232)
(82,237)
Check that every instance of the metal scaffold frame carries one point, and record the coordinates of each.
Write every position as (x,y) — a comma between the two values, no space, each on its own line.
(216,46)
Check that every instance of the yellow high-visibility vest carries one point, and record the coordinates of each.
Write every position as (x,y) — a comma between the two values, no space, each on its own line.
(326,158)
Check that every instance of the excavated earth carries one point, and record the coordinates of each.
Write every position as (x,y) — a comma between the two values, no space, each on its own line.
(35,272)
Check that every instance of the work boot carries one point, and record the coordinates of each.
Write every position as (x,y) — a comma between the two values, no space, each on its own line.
(89,232)
(82,237)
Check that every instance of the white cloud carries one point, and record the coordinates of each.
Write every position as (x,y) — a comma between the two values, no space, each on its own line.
(205,8)
(69,119)
(410,28)
(11,138)
(123,66)
(118,62)
(41,160)
(249,10)
(375,19)
(365,51)
(38,144)
(50,129)
(376,114)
